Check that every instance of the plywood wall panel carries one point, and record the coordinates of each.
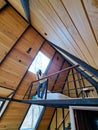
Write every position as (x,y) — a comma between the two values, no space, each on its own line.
(61,78)
(46,118)
(11,28)
(92,12)
(11,73)
(18,61)
(56,65)
(30,40)
(13,116)
(5,92)
(48,50)
(52,79)
(45,18)
(36,21)
(58,60)
(25,85)
(68,23)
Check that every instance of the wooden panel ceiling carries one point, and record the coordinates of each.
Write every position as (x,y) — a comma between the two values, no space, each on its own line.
(69,24)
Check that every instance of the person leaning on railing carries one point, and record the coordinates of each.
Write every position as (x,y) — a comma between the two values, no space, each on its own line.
(42,84)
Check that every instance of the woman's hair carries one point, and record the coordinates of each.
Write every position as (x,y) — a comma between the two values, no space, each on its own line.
(39,71)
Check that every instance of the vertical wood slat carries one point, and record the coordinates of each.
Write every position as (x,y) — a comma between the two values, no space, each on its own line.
(78,16)
(57,26)
(68,27)
(63,14)
(91,7)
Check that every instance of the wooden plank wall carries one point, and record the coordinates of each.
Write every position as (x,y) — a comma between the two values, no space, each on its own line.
(5,92)
(8,30)
(16,37)
(71,25)
(46,118)
(58,63)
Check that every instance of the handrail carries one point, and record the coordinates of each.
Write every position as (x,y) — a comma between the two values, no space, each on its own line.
(58,72)
(74,66)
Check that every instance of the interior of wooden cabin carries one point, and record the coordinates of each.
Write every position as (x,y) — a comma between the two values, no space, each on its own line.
(61,36)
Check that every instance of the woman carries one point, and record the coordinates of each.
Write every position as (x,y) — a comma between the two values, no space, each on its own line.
(42,84)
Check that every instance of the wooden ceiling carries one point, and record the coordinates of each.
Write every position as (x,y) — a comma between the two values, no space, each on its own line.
(69,24)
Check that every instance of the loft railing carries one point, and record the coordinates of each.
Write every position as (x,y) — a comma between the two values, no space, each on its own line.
(57,85)
(51,79)
(54,83)
(77,89)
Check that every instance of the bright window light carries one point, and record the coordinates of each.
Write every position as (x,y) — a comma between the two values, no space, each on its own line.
(41,61)
(32,117)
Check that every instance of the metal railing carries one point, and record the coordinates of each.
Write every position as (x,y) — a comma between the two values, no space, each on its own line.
(51,79)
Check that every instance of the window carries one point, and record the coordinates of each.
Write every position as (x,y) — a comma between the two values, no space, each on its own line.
(4,103)
(30,122)
(32,117)
(41,61)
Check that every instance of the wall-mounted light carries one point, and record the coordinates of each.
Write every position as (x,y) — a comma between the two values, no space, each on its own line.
(45,34)
(19,60)
(29,50)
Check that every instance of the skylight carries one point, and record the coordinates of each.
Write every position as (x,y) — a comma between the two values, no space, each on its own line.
(41,61)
